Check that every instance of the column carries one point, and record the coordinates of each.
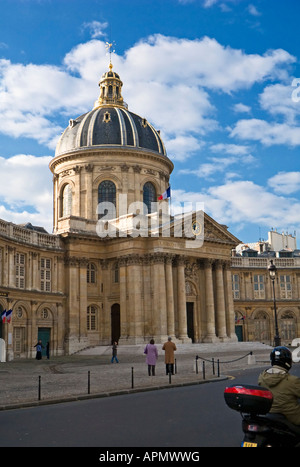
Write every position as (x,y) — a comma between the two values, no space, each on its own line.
(124,319)
(182,320)
(136,334)
(170,296)
(220,301)
(159,298)
(209,303)
(82,332)
(230,304)
(89,211)
(72,311)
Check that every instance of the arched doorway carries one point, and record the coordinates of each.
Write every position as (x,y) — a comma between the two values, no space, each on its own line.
(115,323)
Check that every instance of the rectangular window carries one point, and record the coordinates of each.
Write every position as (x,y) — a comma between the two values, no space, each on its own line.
(20,270)
(259,286)
(285,286)
(46,274)
(236,286)
(91,321)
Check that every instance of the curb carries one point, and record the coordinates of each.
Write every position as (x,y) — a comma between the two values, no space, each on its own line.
(100,395)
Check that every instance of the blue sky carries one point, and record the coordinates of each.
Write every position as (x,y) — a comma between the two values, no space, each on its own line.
(219,78)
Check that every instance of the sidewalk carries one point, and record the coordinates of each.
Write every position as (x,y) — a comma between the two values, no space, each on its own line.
(89,374)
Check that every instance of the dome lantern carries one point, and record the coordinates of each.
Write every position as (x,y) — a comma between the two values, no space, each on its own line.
(110,90)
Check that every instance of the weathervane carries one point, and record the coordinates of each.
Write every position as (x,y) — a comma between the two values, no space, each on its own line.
(109,48)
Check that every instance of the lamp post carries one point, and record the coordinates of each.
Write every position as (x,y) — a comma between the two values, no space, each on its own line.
(272,271)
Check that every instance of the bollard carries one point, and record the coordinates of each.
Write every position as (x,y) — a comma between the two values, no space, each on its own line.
(203,369)
(39,391)
(213,366)
(218,363)
(89,382)
(132,378)
(170,377)
(251,359)
(197,364)
(175,367)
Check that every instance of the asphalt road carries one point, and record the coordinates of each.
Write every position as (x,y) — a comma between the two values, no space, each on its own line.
(185,417)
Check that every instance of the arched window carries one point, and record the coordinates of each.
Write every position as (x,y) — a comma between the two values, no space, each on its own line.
(149,196)
(66,201)
(106,194)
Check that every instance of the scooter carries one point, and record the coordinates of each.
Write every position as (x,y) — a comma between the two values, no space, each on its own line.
(261,428)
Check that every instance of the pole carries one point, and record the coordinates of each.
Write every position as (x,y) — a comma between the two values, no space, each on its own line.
(277,340)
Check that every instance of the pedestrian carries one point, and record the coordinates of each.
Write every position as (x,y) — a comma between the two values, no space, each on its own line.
(48,350)
(114,352)
(169,347)
(39,346)
(151,357)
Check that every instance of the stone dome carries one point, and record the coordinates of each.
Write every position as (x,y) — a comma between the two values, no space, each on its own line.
(110,124)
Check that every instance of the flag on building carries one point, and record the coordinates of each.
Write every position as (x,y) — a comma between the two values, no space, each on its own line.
(166,194)
(3,316)
(8,315)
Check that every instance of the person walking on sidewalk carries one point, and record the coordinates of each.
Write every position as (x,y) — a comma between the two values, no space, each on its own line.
(169,348)
(151,357)
(114,352)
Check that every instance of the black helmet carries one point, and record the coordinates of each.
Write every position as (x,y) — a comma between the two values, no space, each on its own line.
(281,356)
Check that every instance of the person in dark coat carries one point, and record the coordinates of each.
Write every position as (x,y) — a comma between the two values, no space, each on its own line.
(169,348)
(114,352)
(39,346)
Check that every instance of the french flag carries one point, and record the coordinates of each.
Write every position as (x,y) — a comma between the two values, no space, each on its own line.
(8,315)
(3,316)
(166,194)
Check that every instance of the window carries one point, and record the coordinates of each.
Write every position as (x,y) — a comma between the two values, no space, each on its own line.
(106,194)
(20,270)
(116,273)
(91,274)
(66,201)
(149,196)
(285,287)
(259,286)
(235,286)
(91,323)
(46,274)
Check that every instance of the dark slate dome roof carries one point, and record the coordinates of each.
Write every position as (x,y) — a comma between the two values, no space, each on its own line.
(110,123)
(110,126)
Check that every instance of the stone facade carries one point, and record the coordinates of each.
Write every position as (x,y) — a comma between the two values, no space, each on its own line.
(254,300)
(77,288)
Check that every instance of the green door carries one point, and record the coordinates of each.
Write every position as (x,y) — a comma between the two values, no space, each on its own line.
(44,336)
(239,332)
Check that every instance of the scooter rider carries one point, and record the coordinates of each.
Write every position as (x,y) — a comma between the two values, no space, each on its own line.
(284,387)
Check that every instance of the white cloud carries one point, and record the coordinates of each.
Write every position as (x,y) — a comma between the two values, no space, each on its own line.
(285,182)
(240,202)
(268,133)
(230,149)
(168,80)
(253,10)
(26,190)
(96,28)
(241,108)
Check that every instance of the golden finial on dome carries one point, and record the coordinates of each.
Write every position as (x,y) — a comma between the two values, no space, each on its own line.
(110,86)
(109,47)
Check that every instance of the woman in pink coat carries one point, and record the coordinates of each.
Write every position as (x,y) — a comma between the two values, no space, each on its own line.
(151,357)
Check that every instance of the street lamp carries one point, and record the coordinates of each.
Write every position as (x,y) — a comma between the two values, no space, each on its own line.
(272,271)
